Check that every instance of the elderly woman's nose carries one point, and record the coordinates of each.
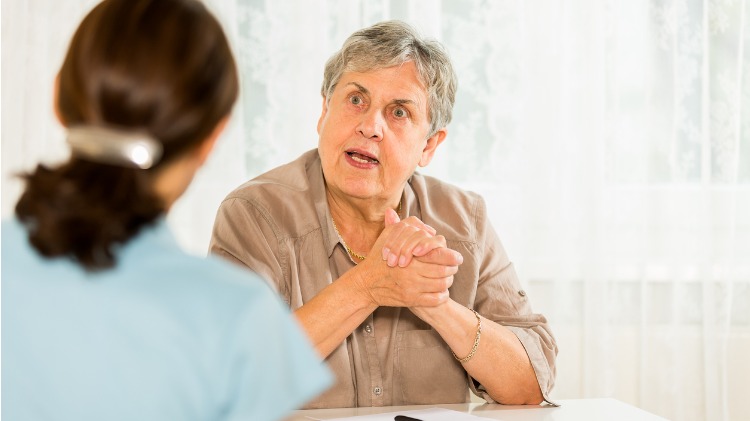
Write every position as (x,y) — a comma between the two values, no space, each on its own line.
(371,125)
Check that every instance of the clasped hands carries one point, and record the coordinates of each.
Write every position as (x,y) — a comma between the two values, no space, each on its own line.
(416,268)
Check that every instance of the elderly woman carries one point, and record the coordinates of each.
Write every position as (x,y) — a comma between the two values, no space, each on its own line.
(384,300)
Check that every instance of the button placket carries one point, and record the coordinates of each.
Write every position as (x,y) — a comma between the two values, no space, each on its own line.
(373,362)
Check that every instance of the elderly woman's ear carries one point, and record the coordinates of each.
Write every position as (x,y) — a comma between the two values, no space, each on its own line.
(323,110)
(431,146)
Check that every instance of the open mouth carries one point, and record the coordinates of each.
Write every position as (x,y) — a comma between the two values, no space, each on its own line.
(362,158)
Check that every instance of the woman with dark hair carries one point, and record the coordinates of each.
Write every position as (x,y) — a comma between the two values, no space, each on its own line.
(103,316)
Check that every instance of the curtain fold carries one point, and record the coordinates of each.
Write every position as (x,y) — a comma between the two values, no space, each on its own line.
(611,140)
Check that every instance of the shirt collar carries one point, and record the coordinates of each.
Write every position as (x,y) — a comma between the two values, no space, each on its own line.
(318,191)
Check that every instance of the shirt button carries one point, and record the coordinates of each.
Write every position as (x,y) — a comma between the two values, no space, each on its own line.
(368,328)
(377,390)
(522,293)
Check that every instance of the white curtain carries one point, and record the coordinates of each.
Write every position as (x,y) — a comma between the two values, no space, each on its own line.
(611,140)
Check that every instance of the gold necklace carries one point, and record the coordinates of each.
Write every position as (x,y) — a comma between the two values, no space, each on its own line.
(349,250)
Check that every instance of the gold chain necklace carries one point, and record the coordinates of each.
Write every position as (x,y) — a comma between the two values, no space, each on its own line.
(349,250)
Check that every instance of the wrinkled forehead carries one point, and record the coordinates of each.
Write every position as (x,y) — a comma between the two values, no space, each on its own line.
(366,64)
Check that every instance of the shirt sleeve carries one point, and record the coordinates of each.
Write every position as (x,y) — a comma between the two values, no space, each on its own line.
(243,235)
(271,367)
(501,299)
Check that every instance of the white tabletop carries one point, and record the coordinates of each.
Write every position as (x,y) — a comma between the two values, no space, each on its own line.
(569,410)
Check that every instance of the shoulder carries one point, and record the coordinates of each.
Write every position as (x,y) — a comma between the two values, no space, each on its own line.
(18,255)
(210,276)
(12,230)
(288,178)
(285,197)
(456,213)
(433,188)
(194,288)
(16,250)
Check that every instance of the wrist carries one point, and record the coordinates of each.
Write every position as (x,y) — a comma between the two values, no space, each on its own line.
(359,281)
(477,338)
(433,315)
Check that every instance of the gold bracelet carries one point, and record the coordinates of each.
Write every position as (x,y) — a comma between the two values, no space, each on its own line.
(476,341)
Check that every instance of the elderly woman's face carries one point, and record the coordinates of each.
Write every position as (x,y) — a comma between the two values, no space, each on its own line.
(373,132)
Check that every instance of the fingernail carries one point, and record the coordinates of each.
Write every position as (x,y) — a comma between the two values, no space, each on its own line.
(392,259)
(402,261)
(417,250)
(386,251)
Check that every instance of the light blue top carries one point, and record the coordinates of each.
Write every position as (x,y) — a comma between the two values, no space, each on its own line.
(162,336)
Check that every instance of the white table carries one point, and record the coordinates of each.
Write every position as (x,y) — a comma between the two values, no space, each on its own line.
(570,410)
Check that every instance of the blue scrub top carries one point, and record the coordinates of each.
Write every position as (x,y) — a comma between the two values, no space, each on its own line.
(162,336)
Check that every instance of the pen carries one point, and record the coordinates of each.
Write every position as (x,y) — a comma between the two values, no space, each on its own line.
(405,418)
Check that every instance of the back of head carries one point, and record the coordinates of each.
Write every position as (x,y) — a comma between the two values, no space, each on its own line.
(392,43)
(160,68)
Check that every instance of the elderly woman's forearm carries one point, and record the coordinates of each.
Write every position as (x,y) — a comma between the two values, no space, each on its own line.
(333,314)
(500,362)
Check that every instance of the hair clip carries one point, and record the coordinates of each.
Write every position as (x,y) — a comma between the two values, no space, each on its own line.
(113,146)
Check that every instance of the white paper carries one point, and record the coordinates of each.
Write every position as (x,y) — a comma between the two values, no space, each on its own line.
(431,414)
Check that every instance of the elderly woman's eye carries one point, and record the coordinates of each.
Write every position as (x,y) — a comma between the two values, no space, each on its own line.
(399,112)
(355,99)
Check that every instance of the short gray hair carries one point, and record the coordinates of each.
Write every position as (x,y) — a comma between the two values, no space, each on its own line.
(392,43)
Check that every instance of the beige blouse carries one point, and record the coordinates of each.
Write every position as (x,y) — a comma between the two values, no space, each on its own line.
(279,225)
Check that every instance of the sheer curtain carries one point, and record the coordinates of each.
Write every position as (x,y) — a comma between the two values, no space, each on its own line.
(611,140)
